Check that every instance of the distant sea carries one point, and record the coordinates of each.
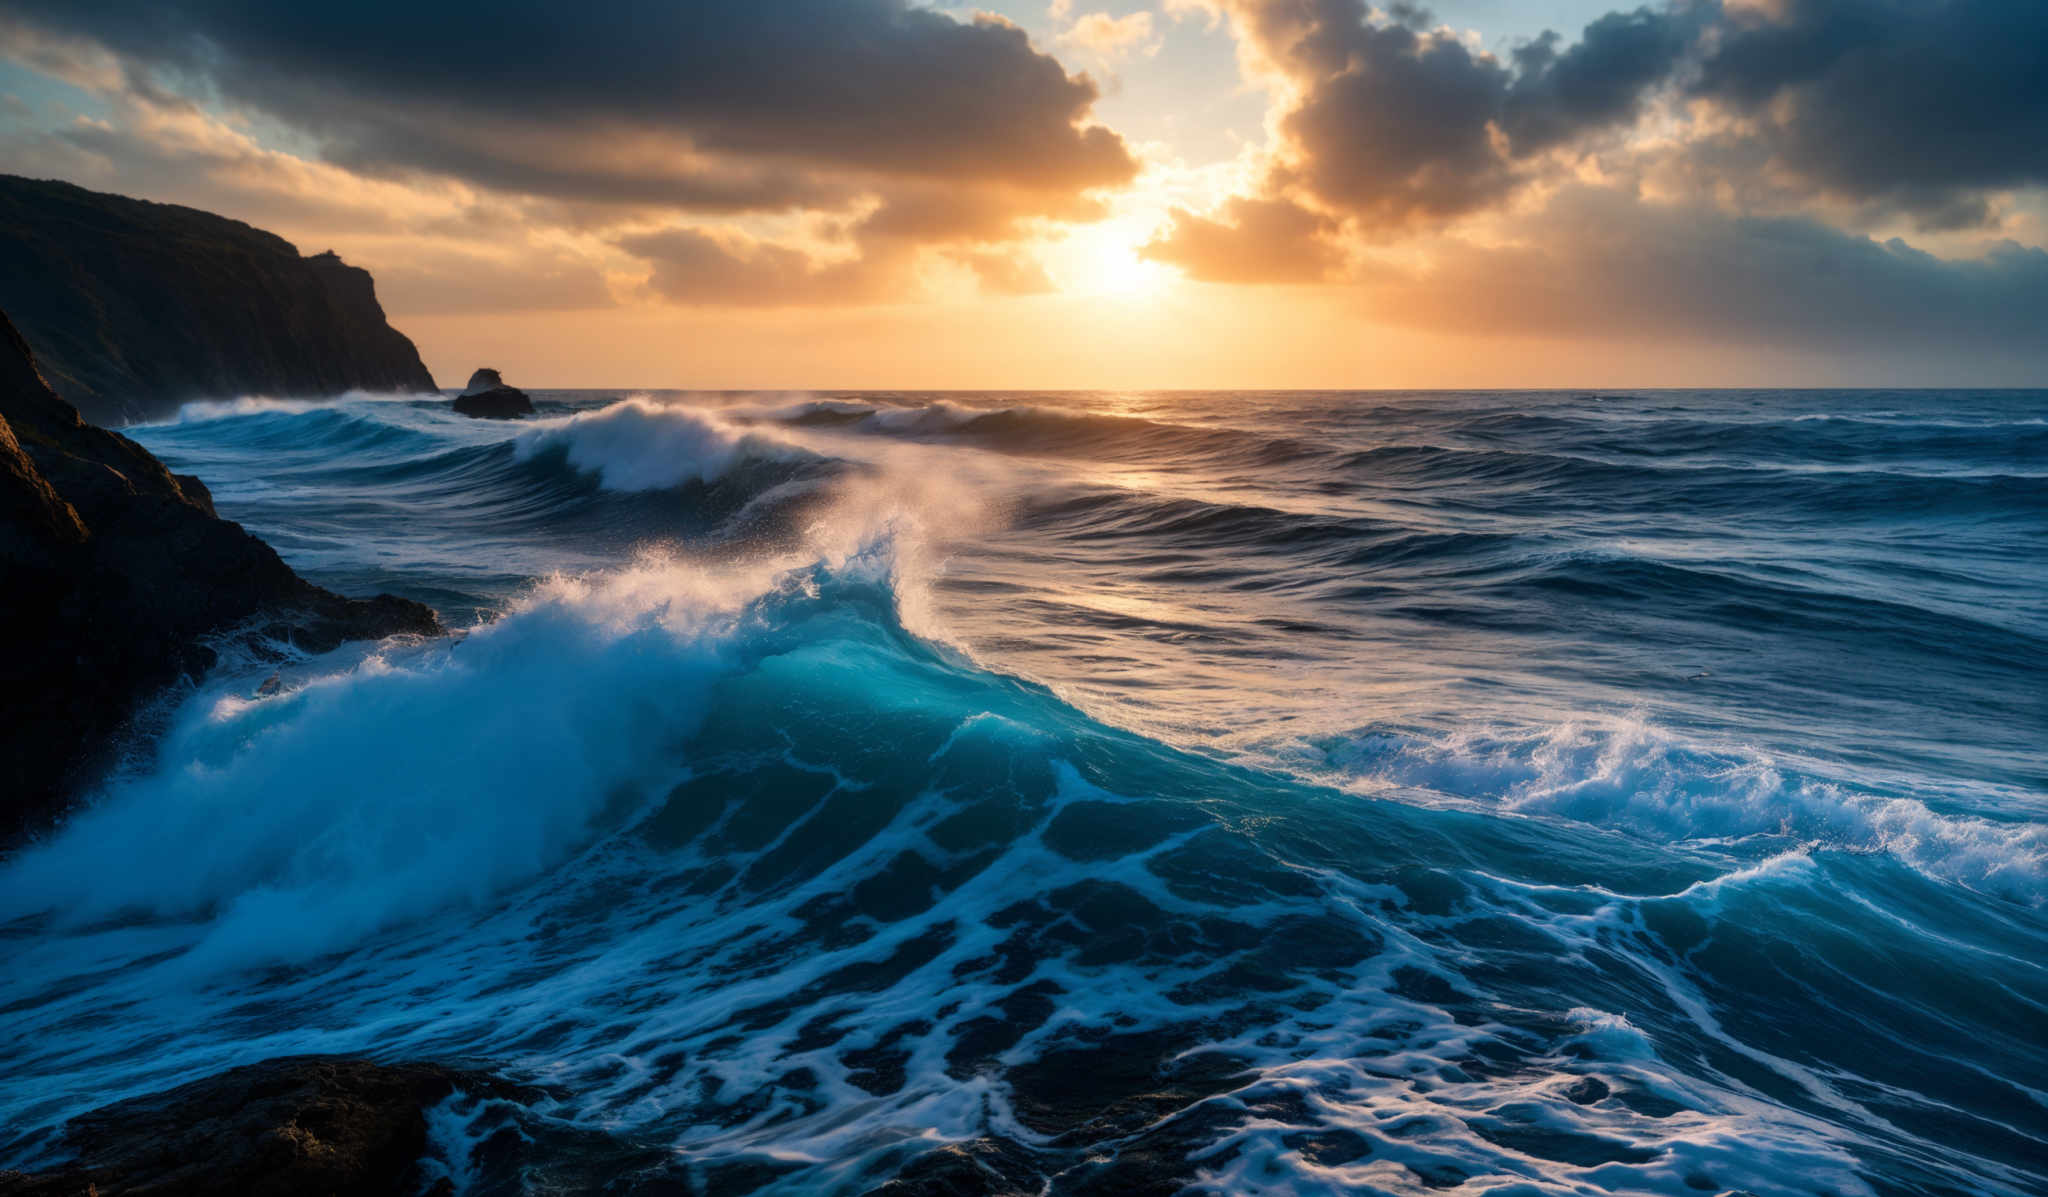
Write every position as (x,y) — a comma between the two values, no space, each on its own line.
(1470,792)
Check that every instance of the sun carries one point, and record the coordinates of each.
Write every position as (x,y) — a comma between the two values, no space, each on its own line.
(1124,274)
(1103,260)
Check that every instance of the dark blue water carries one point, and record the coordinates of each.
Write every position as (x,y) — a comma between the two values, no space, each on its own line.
(1452,792)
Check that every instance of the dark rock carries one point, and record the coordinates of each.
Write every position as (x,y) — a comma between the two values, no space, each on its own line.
(991,1167)
(299,1124)
(1587,1090)
(488,398)
(499,403)
(114,569)
(134,307)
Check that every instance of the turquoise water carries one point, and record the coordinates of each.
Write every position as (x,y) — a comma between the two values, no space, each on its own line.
(1450,792)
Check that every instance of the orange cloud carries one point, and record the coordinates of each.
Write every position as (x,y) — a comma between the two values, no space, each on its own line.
(1258,241)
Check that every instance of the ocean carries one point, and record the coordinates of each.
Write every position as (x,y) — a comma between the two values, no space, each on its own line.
(1466,792)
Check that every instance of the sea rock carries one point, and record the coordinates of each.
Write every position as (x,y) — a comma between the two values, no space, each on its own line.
(294,1125)
(487,397)
(114,570)
(134,307)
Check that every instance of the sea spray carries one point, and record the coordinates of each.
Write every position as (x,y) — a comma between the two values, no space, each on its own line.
(425,776)
(1624,772)
(636,444)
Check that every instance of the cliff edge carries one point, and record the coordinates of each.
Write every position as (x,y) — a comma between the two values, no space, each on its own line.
(134,307)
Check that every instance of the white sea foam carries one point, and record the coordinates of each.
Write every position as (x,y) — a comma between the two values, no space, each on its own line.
(1628,774)
(423,777)
(637,444)
(201,410)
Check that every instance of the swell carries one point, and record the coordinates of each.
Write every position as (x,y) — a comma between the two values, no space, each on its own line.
(1027,429)
(1520,565)
(1514,446)
(1773,597)
(827,904)
(1921,470)
(615,476)
(1569,479)
(637,446)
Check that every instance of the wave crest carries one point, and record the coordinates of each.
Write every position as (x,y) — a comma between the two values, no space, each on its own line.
(1630,775)
(638,445)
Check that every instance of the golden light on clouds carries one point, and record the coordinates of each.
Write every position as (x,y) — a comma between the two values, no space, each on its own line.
(1103,193)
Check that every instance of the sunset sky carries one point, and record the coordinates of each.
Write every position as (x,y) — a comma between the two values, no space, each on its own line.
(1104,193)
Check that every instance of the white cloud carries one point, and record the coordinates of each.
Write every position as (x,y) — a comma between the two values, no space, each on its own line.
(1112,38)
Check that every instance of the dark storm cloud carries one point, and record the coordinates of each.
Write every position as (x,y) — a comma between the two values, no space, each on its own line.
(711,104)
(1394,122)
(1598,81)
(1924,105)
(1920,101)
(1397,122)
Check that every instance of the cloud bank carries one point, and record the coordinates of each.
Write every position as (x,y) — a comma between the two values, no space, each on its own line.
(1721,172)
(939,130)
(1831,175)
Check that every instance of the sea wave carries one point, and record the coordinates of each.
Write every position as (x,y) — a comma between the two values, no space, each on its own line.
(817,893)
(199,410)
(1628,774)
(638,445)
(301,822)
(1242,793)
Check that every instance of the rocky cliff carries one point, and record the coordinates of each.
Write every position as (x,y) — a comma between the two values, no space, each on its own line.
(134,307)
(297,1125)
(112,569)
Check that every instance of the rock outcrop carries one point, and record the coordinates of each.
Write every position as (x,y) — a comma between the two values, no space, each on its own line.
(487,397)
(134,307)
(114,569)
(295,1125)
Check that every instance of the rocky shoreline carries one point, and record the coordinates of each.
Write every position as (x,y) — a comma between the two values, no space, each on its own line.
(117,571)
(295,1125)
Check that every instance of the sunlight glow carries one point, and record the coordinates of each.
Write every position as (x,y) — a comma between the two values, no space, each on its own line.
(1103,260)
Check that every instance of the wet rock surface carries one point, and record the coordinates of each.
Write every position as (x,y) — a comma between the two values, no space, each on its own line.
(116,571)
(295,1125)
(487,397)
